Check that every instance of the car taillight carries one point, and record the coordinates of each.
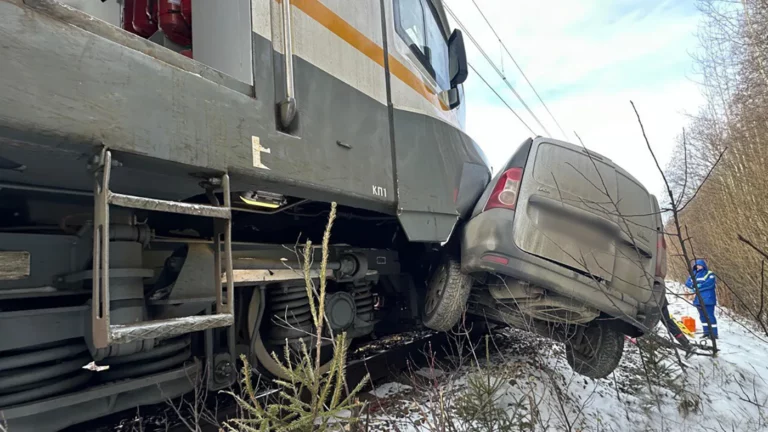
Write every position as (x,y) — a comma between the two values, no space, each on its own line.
(504,194)
(661,257)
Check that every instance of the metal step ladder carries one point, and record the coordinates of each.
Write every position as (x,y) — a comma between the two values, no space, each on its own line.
(105,334)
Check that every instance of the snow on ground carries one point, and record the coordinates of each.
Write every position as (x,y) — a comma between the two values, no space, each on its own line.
(529,379)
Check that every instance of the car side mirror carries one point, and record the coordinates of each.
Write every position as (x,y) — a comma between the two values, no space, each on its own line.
(457,58)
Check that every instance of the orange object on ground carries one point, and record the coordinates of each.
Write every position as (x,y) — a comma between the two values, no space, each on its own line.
(690,323)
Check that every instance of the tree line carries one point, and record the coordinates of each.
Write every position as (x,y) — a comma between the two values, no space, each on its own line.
(719,167)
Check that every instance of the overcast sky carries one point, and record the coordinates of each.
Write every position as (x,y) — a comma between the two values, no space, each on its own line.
(587,59)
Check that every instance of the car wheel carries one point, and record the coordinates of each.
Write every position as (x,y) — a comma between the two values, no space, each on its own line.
(447,296)
(597,351)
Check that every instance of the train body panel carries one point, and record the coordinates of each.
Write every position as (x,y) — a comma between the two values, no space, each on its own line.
(89,90)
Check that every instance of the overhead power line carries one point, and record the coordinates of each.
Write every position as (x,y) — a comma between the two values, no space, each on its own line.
(501,98)
(519,68)
(499,72)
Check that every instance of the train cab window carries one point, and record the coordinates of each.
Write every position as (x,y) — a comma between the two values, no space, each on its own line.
(411,24)
(416,22)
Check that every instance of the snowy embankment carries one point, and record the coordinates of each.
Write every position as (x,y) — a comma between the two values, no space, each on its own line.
(530,386)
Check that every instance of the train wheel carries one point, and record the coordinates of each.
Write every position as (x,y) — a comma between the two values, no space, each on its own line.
(447,296)
(259,318)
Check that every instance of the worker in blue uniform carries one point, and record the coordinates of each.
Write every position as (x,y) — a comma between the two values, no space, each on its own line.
(705,281)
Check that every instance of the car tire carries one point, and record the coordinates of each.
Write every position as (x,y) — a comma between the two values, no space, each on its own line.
(447,295)
(599,351)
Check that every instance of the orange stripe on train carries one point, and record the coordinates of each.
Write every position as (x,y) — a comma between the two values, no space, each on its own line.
(338,26)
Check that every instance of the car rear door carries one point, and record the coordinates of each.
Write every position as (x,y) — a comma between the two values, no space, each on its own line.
(568,212)
(562,210)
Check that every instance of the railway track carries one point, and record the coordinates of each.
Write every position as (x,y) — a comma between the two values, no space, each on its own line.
(381,359)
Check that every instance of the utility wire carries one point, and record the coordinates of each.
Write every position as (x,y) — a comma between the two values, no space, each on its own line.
(500,73)
(501,98)
(519,68)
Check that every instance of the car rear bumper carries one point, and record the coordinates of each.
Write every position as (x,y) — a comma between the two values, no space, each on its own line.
(487,245)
